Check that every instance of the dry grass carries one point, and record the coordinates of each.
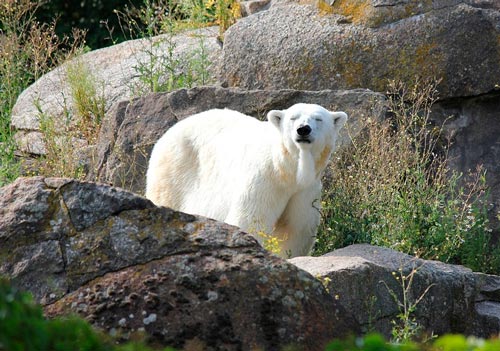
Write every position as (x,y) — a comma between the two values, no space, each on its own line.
(393,188)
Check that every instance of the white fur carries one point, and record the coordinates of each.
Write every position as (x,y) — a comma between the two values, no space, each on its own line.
(255,175)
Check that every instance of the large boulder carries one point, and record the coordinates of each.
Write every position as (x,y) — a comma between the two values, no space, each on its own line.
(117,73)
(133,127)
(364,43)
(374,283)
(130,268)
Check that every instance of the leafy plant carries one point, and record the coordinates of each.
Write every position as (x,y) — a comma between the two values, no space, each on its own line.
(375,342)
(23,328)
(393,188)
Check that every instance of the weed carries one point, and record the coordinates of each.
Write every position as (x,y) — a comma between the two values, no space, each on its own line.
(89,103)
(162,15)
(325,281)
(28,49)
(406,328)
(65,137)
(373,313)
(59,159)
(130,167)
(160,68)
(393,188)
(226,14)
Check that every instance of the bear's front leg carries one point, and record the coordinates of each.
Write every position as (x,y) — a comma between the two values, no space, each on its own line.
(256,212)
(297,226)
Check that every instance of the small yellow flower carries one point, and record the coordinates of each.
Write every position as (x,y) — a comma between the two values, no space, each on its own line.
(271,243)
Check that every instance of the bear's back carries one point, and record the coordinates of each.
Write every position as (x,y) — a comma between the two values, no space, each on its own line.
(223,126)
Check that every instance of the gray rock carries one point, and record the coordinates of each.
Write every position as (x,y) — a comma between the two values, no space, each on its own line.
(375,13)
(115,68)
(489,318)
(473,124)
(297,46)
(368,281)
(128,266)
(132,128)
(249,7)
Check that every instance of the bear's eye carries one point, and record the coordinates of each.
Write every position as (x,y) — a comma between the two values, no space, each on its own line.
(294,118)
(319,119)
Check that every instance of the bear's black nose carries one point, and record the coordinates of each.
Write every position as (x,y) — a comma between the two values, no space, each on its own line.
(304,131)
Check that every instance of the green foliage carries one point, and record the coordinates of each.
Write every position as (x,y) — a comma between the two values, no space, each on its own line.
(95,16)
(164,16)
(58,136)
(375,342)
(405,327)
(393,188)
(371,342)
(163,71)
(23,328)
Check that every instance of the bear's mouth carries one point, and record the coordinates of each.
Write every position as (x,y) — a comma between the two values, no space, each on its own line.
(303,140)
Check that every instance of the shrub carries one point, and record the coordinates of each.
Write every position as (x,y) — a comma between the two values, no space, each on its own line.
(96,17)
(79,124)
(23,328)
(89,102)
(393,188)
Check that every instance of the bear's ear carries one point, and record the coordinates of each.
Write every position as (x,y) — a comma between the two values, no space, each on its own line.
(275,117)
(339,119)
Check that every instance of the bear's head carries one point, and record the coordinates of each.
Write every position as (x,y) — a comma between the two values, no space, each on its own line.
(307,126)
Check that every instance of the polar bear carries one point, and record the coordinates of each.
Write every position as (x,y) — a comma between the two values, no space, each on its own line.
(262,176)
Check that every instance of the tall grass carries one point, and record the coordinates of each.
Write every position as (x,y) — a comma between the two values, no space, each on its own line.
(161,68)
(28,49)
(67,137)
(393,188)
(89,103)
(184,14)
